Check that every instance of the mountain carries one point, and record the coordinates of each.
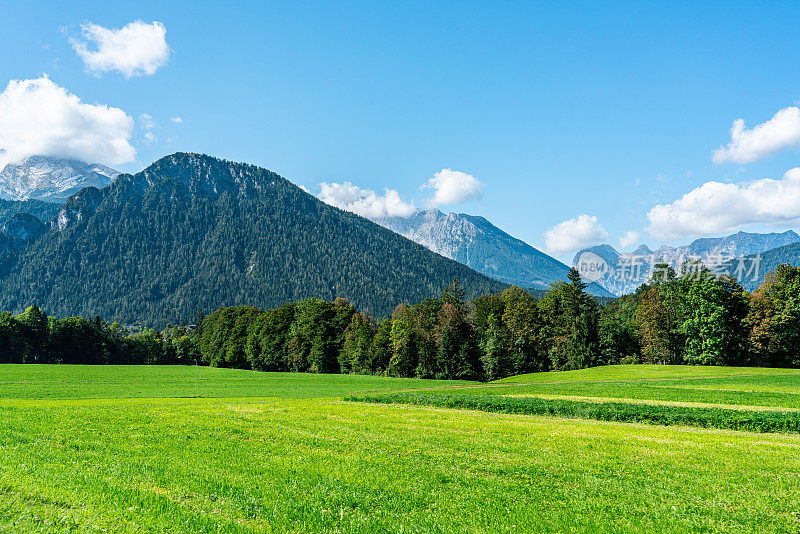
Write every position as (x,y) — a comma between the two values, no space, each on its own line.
(480,245)
(51,179)
(739,244)
(750,270)
(192,233)
(623,273)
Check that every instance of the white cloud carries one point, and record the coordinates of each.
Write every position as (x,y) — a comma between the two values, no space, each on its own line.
(37,117)
(176,120)
(452,187)
(574,234)
(150,138)
(630,238)
(782,131)
(365,202)
(147,121)
(134,50)
(716,207)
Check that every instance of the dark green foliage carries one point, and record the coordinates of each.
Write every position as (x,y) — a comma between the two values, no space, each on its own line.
(698,319)
(619,340)
(714,310)
(44,211)
(224,336)
(355,355)
(571,324)
(381,350)
(773,319)
(267,338)
(32,337)
(194,232)
(748,421)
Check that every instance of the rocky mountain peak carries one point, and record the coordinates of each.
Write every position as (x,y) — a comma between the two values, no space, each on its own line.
(51,179)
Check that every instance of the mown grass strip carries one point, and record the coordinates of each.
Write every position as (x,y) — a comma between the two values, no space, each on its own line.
(729,419)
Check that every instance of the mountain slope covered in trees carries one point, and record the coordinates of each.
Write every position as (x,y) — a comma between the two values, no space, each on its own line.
(191,233)
(43,211)
(757,266)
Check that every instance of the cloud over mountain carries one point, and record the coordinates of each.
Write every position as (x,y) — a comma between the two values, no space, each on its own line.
(452,187)
(716,207)
(38,117)
(574,234)
(365,202)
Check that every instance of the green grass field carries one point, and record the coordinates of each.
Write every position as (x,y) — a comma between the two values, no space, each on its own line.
(126,449)
(669,384)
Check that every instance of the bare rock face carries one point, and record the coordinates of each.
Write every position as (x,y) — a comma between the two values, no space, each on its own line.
(19,230)
(23,227)
(79,207)
(51,179)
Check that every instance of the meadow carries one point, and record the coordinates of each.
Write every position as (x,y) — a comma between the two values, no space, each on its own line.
(129,449)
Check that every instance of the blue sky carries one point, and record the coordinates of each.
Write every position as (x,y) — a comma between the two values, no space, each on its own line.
(557,110)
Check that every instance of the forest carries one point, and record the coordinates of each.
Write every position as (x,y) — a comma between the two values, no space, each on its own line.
(693,317)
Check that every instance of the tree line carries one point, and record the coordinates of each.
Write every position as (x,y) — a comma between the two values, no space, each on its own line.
(692,318)
(33,337)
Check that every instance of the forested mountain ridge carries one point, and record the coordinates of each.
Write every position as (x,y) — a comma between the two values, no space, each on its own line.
(191,233)
(44,211)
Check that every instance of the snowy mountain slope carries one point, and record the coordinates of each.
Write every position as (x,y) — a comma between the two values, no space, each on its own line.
(51,179)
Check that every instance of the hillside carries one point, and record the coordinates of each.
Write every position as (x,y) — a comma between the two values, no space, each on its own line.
(756,266)
(480,245)
(191,233)
(43,211)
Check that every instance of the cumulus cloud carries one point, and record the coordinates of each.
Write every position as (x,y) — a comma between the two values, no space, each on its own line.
(176,120)
(134,50)
(574,234)
(630,238)
(452,187)
(782,131)
(37,117)
(365,202)
(716,207)
(150,138)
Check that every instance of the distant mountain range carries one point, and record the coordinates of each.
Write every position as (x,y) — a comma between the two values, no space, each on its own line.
(755,267)
(734,254)
(191,233)
(51,179)
(479,244)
